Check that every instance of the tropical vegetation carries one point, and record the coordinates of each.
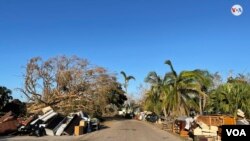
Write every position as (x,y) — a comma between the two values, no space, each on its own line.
(174,94)
(5,96)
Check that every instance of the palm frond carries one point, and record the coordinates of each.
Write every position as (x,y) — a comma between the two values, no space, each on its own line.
(130,77)
(124,74)
(168,62)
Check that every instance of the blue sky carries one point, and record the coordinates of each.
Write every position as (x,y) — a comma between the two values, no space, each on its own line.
(136,36)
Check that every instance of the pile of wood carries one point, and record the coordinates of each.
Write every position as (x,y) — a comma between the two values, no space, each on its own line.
(210,126)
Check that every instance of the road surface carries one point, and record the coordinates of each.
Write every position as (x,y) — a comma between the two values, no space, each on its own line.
(119,130)
(130,130)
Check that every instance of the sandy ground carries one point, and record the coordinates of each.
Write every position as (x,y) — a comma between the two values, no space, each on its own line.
(115,130)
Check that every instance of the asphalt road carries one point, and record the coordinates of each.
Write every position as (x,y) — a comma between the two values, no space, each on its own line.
(130,130)
(119,130)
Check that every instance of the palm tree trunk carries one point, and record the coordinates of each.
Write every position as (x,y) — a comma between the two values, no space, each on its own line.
(204,104)
(164,111)
(200,105)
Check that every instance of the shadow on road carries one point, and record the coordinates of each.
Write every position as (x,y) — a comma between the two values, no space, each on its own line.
(102,127)
(115,118)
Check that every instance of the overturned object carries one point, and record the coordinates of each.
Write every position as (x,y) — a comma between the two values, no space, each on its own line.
(53,125)
(64,124)
(45,117)
(69,130)
(38,125)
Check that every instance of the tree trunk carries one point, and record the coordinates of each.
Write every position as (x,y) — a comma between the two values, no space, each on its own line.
(200,105)
(165,111)
(204,104)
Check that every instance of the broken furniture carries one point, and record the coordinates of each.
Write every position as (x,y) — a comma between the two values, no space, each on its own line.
(53,125)
(69,130)
(38,126)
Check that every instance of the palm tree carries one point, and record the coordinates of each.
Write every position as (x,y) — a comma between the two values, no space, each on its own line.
(126,80)
(153,98)
(182,89)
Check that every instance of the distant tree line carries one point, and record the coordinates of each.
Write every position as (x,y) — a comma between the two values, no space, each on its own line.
(7,103)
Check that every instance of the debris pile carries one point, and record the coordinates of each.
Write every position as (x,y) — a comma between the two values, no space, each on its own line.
(49,123)
(197,127)
(206,127)
(8,123)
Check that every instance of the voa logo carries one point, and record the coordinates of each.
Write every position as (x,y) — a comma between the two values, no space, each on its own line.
(236,132)
(237,10)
